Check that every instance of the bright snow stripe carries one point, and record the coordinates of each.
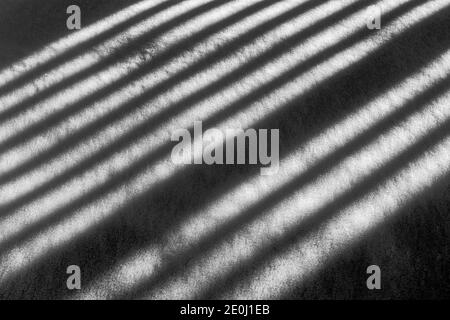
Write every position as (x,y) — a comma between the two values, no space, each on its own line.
(58,165)
(45,140)
(305,258)
(62,45)
(228,207)
(238,249)
(92,214)
(96,55)
(95,82)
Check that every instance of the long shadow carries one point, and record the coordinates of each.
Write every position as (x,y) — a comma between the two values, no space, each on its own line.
(127,50)
(146,220)
(310,224)
(411,248)
(61,214)
(137,46)
(319,168)
(28,26)
(184,104)
(115,182)
(86,45)
(137,102)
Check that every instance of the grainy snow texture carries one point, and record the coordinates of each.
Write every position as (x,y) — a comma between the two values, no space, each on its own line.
(87,179)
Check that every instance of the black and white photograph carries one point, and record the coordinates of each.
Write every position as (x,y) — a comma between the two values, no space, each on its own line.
(224,150)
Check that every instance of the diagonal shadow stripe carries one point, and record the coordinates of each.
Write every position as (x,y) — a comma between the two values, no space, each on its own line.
(137,102)
(319,168)
(112,58)
(81,48)
(189,101)
(361,141)
(309,224)
(27,34)
(175,51)
(92,244)
(408,222)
